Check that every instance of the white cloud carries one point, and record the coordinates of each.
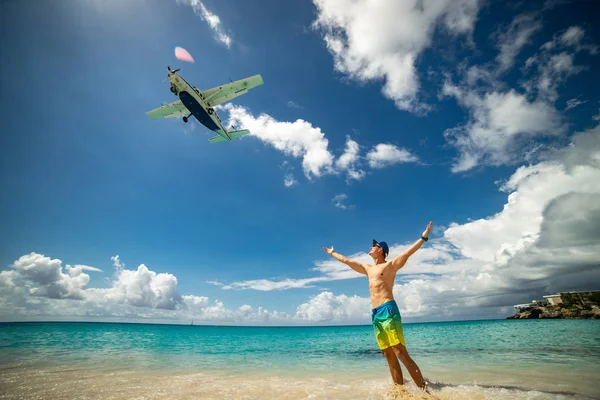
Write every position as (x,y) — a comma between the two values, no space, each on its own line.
(6,278)
(552,71)
(501,122)
(44,277)
(117,263)
(289,180)
(266,285)
(515,37)
(298,139)
(141,288)
(554,63)
(301,139)
(572,36)
(292,104)
(37,289)
(212,19)
(545,239)
(597,116)
(384,155)
(349,161)
(338,201)
(572,103)
(327,307)
(383,41)
(506,126)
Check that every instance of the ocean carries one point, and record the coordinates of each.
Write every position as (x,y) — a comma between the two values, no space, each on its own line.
(498,359)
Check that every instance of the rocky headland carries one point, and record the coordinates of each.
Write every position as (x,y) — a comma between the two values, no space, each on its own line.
(557,312)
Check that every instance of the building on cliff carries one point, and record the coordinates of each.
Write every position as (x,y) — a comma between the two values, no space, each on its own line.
(589,298)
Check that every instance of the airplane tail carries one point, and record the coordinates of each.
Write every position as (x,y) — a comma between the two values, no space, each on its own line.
(232,135)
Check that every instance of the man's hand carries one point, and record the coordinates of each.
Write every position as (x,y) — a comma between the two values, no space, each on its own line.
(399,261)
(329,251)
(427,230)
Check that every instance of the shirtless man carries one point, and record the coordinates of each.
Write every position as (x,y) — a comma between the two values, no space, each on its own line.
(385,316)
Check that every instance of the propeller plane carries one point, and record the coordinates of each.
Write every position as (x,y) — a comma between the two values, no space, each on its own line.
(197,103)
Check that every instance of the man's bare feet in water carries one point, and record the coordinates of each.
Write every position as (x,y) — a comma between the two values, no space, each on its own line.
(401,392)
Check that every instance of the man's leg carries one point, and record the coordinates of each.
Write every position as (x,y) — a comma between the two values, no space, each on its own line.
(411,366)
(394,365)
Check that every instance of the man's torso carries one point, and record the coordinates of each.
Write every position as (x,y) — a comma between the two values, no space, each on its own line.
(381,281)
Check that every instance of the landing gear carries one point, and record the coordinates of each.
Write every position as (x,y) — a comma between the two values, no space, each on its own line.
(174,90)
(185,119)
(210,111)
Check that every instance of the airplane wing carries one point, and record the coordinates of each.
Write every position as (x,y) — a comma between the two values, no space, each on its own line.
(168,110)
(231,90)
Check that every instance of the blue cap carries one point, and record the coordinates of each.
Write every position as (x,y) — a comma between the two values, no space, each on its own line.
(383,245)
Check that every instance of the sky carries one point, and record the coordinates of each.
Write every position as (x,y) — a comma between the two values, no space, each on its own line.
(374,118)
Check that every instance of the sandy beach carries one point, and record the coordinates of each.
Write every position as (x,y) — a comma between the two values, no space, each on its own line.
(87,383)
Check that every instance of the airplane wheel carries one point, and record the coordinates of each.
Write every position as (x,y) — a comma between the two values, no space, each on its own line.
(185,119)
(210,111)
(172,89)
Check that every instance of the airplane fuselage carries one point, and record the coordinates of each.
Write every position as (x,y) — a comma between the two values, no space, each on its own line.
(193,101)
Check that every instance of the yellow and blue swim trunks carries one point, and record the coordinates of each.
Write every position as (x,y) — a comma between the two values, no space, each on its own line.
(387,324)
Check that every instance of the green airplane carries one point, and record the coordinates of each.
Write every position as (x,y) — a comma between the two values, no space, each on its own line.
(200,104)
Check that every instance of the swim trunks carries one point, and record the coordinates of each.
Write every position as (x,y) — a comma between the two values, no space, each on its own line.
(387,324)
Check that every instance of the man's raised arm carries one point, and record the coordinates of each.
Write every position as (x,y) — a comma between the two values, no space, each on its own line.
(355,265)
(399,261)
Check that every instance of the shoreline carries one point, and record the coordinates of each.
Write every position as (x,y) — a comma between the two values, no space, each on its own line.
(70,382)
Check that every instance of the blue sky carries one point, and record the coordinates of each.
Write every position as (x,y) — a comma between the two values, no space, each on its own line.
(371,122)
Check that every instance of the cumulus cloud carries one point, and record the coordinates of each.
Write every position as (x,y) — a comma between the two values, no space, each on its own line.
(327,307)
(141,288)
(117,263)
(384,155)
(383,41)
(212,19)
(44,277)
(37,288)
(349,161)
(545,239)
(300,139)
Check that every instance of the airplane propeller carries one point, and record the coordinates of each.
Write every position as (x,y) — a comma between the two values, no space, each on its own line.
(171,72)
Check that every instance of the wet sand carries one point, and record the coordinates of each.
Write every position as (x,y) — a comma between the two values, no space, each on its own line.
(80,383)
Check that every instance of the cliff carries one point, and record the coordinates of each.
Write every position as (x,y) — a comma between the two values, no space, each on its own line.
(549,312)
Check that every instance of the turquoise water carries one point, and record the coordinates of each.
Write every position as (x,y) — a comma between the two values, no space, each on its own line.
(553,356)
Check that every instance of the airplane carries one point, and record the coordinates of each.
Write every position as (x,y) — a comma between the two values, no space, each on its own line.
(200,104)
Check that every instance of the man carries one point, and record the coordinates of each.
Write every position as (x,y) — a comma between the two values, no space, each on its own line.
(386,318)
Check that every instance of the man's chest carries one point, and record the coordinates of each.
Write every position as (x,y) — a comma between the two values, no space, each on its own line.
(379,272)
